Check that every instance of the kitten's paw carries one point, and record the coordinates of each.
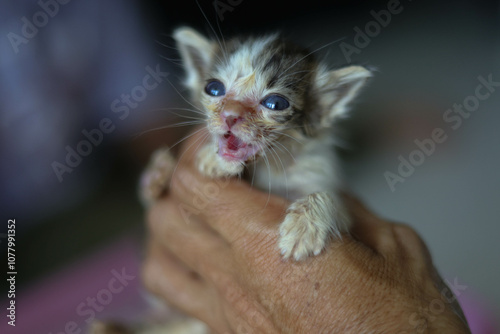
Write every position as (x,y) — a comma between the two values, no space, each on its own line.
(155,179)
(212,165)
(300,235)
(309,224)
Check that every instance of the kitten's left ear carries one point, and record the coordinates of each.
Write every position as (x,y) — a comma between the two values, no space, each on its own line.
(336,89)
(196,52)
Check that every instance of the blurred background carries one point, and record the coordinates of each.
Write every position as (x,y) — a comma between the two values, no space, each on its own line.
(83,85)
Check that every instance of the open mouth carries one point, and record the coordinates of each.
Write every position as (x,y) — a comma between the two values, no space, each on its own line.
(233,148)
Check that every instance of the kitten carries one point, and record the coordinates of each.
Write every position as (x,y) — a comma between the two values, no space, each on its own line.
(269,106)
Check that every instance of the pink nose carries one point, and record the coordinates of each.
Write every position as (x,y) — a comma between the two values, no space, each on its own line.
(231,119)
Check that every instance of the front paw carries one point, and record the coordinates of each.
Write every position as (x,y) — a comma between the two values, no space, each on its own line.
(309,224)
(154,180)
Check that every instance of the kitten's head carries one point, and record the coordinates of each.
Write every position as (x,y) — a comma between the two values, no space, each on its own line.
(257,90)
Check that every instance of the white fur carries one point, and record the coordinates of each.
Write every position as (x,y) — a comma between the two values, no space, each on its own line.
(309,223)
(212,165)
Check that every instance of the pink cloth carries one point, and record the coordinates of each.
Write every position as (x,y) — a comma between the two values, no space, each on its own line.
(59,304)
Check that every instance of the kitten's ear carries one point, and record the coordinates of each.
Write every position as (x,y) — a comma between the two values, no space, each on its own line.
(336,89)
(196,52)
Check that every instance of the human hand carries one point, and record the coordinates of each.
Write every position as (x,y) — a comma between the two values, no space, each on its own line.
(213,254)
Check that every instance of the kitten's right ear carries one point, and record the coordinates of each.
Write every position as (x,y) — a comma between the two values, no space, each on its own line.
(196,52)
(337,88)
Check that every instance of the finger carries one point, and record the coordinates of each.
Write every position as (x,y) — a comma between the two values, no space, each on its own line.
(191,241)
(369,229)
(413,248)
(167,277)
(231,207)
(192,143)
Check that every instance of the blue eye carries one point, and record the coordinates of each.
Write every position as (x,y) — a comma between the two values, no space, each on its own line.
(275,102)
(215,88)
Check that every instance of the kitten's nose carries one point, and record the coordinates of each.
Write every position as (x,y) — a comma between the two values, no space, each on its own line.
(231,118)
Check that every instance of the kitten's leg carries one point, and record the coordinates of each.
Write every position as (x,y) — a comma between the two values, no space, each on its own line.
(156,177)
(309,223)
(212,165)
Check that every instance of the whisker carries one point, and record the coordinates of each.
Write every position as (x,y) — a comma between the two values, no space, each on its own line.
(182,97)
(254,167)
(283,167)
(284,147)
(188,109)
(287,135)
(188,136)
(212,28)
(296,72)
(179,115)
(175,61)
(264,155)
(224,49)
(176,125)
(314,51)
(166,45)
(200,141)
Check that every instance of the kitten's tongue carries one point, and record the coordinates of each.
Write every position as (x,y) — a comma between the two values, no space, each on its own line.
(233,143)
(233,148)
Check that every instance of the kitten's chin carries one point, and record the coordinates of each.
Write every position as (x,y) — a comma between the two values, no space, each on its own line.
(233,149)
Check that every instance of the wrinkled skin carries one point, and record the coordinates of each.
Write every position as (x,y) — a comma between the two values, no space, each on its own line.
(216,258)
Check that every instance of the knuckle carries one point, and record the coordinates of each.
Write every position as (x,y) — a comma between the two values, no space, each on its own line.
(151,217)
(182,181)
(410,240)
(156,216)
(176,181)
(227,287)
(405,232)
(149,275)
